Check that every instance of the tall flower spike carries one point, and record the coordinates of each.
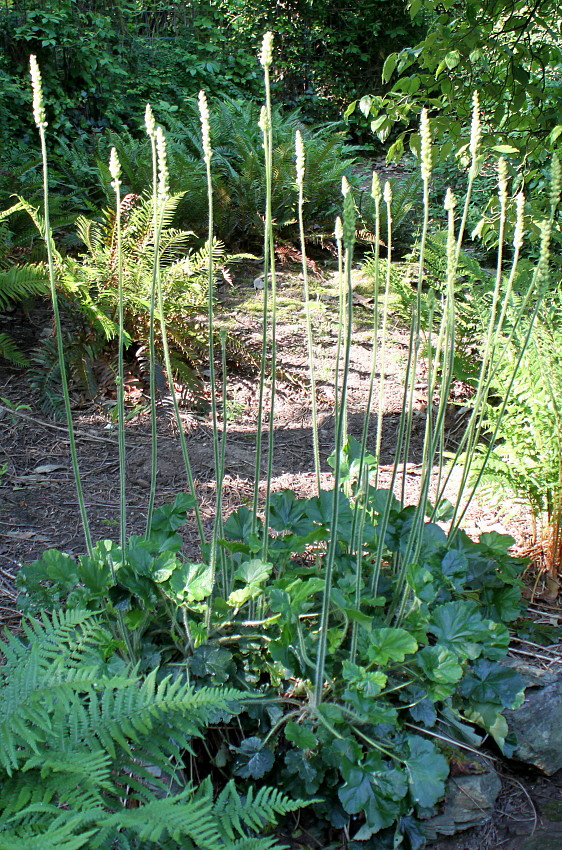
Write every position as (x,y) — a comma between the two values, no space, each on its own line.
(450,204)
(114,169)
(519,222)
(205,126)
(542,265)
(263,122)
(266,55)
(502,181)
(376,192)
(450,200)
(344,186)
(338,230)
(425,135)
(555,181)
(149,121)
(348,218)
(37,88)
(475,129)
(163,176)
(387,193)
(299,149)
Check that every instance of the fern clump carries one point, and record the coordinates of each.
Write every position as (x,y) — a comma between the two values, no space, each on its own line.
(525,432)
(92,754)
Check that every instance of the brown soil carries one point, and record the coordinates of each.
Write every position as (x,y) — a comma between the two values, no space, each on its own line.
(38,506)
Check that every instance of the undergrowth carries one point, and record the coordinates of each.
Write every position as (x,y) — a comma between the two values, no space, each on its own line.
(341,645)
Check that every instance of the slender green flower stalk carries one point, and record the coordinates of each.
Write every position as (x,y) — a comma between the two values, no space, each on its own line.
(383,521)
(415,342)
(440,376)
(115,172)
(150,125)
(387,196)
(348,239)
(347,231)
(338,234)
(539,286)
(474,148)
(501,344)
(490,352)
(41,123)
(263,360)
(266,59)
(160,199)
(359,513)
(226,578)
(217,525)
(555,184)
(300,164)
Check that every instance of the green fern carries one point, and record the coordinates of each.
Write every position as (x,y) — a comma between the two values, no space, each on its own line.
(79,745)
(525,461)
(9,351)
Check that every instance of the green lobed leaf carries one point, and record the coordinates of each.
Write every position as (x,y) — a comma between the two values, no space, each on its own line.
(460,626)
(489,681)
(427,770)
(253,760)
(300,735)
(390,644)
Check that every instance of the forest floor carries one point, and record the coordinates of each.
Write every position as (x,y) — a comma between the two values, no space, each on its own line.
(38,507)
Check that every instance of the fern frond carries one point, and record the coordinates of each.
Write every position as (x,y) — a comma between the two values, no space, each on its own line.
(22,282)
(59,834)
(10,351)
(255,811)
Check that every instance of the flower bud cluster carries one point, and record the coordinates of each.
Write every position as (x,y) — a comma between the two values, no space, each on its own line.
(266,55)
(37,89)
(299,148)
(163,175)
(205,126)
(114,169)
(425,135)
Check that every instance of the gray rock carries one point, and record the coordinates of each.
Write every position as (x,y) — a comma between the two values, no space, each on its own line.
(469,801)
(537,723)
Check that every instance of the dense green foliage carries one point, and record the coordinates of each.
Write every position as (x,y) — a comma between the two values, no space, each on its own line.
(360,753)
(338,644)
(103,60)
(510,52)
(525,462)
(92,752)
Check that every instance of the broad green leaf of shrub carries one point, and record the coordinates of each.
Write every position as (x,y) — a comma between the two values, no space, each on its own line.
(297,762)
(370,710)
(254,573)
(460,626)
(351,461)
(189,582)
(489,681)
(239,525)
(439,664)
(369,683)
(253,760)
(212,661)
(287,513)
(388,644)
(374,788)
(501,603)
(454,567)
(167,518)
(52,566)
(320,511)
(300,735)
(489,717)
(427,770)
